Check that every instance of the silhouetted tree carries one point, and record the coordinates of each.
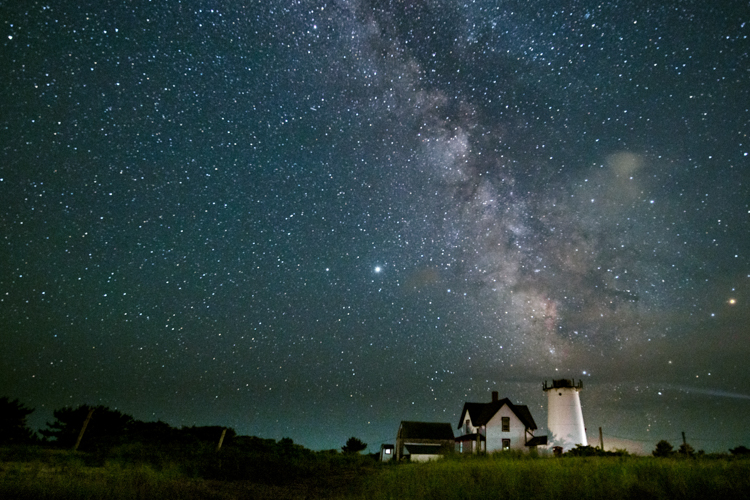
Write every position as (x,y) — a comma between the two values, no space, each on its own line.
(106,429)
(157,433)
(353,445)
(686,450)
(663,449)
(13,427)
(740,451)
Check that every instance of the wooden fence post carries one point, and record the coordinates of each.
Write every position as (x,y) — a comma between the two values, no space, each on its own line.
(83,429)
(221,439)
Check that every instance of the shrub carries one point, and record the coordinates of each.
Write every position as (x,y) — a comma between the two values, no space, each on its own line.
(740,451)
(354,445)
(663,449)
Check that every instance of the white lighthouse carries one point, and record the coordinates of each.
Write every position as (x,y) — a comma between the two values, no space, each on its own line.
(564,417)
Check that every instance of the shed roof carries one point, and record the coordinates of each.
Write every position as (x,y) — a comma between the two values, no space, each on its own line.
(481,413)
(425,430)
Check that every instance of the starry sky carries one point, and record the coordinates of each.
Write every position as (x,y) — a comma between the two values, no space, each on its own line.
(316,219)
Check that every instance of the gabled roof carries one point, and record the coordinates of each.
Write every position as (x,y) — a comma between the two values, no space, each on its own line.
(425,430)
(481,413)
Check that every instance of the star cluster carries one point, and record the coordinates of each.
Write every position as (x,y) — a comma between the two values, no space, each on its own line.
(315,220)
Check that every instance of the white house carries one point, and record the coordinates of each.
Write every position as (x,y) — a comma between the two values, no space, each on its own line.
(498,425)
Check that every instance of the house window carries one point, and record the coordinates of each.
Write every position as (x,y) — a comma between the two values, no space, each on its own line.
(467,426)
(506,424)
(387,451)
(506,444)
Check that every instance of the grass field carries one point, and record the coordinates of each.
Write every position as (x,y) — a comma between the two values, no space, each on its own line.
(57,474)
(609,478)
(37,473)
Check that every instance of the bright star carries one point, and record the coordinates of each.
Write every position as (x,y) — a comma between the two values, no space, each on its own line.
(378,269)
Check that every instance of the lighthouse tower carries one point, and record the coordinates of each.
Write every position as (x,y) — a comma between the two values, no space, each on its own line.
(564,417)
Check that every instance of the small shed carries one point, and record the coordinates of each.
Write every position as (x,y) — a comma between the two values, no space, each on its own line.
(422,441)
(386,452)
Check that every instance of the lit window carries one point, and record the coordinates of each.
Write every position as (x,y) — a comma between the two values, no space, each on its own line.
(387,451)
(506,444)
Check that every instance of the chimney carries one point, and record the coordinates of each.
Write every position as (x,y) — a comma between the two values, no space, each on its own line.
(494,396)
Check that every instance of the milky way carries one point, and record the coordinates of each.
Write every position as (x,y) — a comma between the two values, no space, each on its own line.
(315,220)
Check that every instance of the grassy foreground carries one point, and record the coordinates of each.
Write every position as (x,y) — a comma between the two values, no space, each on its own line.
(56,474)
(33,473)
(637,478)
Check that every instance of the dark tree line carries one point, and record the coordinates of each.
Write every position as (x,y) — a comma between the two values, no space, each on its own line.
(109,428)
(111,435)
(665,449)
(105,430)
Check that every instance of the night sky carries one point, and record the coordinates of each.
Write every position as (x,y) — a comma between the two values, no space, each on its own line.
(315,220)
